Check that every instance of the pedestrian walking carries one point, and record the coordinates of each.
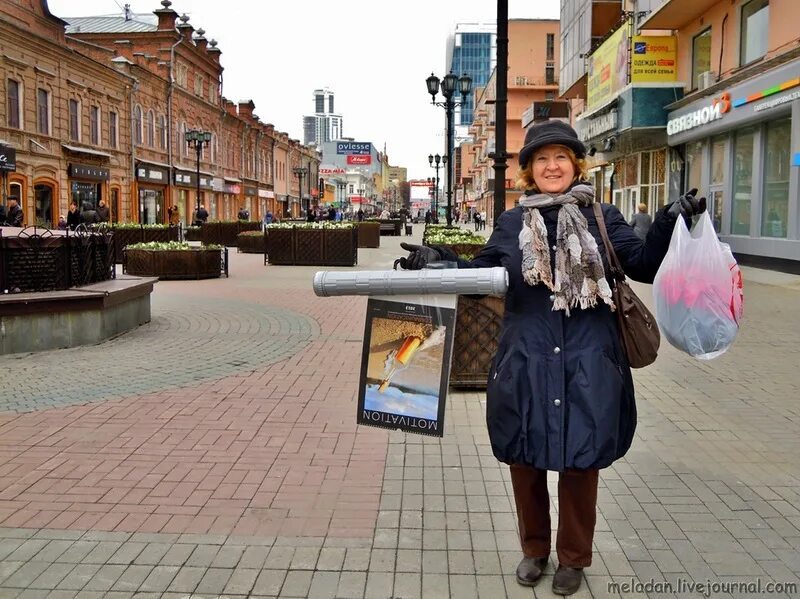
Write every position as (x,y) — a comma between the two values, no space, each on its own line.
(73,216)
(103,214)
(560,395)
(14,215)
(641,222)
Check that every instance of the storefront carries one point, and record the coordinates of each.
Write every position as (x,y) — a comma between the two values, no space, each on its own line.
(266,201)
(88,185)
(737,148)
(187,193)
(152,181)
(230,198)
(250,202)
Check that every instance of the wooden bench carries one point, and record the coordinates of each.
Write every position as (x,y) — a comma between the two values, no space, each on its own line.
(388,229)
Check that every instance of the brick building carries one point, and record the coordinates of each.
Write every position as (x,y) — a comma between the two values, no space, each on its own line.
(125,90)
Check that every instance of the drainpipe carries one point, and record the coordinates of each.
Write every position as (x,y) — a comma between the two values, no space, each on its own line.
(135,201)
(170,87)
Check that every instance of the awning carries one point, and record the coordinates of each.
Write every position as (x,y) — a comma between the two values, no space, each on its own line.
(153,162)
(232,180)
(80,150)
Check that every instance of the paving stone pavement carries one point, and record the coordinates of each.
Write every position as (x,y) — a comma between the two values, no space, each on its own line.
(256,483)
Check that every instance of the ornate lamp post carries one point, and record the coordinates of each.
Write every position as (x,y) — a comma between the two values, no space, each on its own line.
(300,172)
(434,161)
(197,139)
(449,84)
(342,186)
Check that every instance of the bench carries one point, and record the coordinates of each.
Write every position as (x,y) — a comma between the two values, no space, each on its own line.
(388,229)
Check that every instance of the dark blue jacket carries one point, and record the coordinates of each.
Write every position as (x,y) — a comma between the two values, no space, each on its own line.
(560,391)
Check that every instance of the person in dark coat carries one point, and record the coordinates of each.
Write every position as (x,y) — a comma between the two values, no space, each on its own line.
(200,215)
(641,222)
(102,212)
(88,214)
(560,395)
(2,215)
(73,216)
(14,215)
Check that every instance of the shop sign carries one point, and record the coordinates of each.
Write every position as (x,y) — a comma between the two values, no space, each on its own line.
(85,171)
(359,159)
(608,68)
(151,174)
(217,184)
(654,58)
(595,126)
(266,193)
(700,117)
(8,159)
(331,170)
(190,180)
(250,191)
(353,147)
(233,188)
(776,101)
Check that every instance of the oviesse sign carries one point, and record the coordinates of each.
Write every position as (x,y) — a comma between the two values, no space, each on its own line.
(353,147)
(700,117)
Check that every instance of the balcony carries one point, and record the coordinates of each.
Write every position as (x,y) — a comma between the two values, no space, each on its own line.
(674,14)
(522,82)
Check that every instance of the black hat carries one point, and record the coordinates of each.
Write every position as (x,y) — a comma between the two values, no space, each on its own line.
(548,133)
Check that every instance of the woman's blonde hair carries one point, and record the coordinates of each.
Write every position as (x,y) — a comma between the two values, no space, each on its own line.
(525,174)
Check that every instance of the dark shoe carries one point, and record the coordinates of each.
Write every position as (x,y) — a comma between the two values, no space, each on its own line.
(530,570)
(567,580)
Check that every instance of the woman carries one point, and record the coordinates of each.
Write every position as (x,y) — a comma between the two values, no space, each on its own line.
(641,222)
(560,393)
(73,216)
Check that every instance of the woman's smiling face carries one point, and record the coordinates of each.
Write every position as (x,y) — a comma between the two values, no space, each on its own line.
(552,168)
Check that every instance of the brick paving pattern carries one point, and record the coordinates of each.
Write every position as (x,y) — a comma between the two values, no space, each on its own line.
(255,482)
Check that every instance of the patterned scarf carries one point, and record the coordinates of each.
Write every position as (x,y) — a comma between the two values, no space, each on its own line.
(579,275)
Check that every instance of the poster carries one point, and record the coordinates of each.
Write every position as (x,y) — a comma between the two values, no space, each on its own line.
(608,68)
(405,363)
(654,59)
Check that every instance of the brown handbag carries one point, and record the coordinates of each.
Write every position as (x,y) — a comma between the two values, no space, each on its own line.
(638,330)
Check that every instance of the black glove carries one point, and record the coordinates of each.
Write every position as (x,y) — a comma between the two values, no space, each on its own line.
(688,205)
(419,257)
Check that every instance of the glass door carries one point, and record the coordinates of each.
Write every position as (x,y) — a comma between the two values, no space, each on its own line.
(715,205)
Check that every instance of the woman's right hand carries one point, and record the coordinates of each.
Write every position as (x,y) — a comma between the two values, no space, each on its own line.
(419,257)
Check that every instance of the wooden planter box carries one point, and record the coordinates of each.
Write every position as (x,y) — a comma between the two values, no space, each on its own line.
(193,234)
(369,235)
(195,263)
(308,248)
(129,236)
(226,233)
(280,246)
(251,244)
(340,247)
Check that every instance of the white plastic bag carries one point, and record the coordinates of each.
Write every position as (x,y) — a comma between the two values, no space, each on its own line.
(698,291)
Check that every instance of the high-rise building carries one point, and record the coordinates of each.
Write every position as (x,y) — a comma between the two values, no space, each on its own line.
(324,125)
(471,49)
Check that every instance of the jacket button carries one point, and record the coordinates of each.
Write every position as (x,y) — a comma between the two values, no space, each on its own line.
(557,402)
(557,350)
(554,248)
(553,298)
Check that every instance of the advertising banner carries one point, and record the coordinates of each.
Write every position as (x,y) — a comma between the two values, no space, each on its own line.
(608,68)
(329,169)
(654,59)
(359,159)
(405,365)
(8,158)
(353,147)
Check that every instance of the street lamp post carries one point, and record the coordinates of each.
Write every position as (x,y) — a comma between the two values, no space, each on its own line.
(300,172)
(434,161)
(342,186)
(448,85)
(197,139)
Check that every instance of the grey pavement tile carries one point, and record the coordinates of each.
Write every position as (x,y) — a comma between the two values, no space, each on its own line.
(410,538)
(463,586)
(127,553)
(7,568)
(305,558)
(296,584)
(105,577)
(177,555)
(102,552)
(132,578)
(279,558)
(159,579)
(99,535)
(27,550)
(152,554)
(241,581)
(55,533)
(351,585)
(255,557)
(486,562)
(382,560)
(385,538)
(409,560)
(60,594)
(408,585)
(77,552)
(202,556)
(213,581)
(490,587)
(50,578)
(24,576)
(8,546)
(357,559)
(33,594)
(323,585)
(78,577)
(269,582)
(186,580)
(460,562)
(380,585)
(228,556)
(435,586)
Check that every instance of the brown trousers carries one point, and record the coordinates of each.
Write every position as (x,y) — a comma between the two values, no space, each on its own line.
(577,513)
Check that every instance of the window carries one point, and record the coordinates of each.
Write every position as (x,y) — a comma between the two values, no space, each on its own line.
(94,123)
(198,85)
(212,93)
(754,31)
(551,46)
(13,93)
(549,96)
(112,129)
(777,165)
(742,181)
(43,111)
(319,104)
(137,125)
(74,120)
(701,57)
(549,75)
(43,204)
(694,165)
(150,132)
(162,132)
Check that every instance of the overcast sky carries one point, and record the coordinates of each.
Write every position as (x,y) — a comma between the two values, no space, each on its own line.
(374,56)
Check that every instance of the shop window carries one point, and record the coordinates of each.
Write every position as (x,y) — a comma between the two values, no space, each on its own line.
(43,111)
(150,205)
(74,120)
(754,33)
(115,207)
(15,192)
(701,58)
(112,129)
(742,181)
(777,165)
(43,204)
(85,195)
(13,101)
(694,165)
(717,160)
(94,124)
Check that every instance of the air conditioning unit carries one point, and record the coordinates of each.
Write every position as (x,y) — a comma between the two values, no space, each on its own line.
(706,79)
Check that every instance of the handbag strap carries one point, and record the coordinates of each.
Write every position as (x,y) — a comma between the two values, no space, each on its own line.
(616,267)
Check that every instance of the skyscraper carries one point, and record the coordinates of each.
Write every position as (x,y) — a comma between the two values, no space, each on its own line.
(324,125)
(471,49)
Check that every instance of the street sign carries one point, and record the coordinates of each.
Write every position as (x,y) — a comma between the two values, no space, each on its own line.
(8,159)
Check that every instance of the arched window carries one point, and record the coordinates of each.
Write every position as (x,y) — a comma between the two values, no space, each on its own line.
(162,132)
(137,125)
(182,139)
(150,134)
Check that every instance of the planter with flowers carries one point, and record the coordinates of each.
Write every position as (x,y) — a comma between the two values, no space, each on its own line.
(251,242)
(312,244)
(126,234)
(174,260)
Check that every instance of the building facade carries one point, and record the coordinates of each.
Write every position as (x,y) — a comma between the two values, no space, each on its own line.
(98,109)
(324,125)
(735,134)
